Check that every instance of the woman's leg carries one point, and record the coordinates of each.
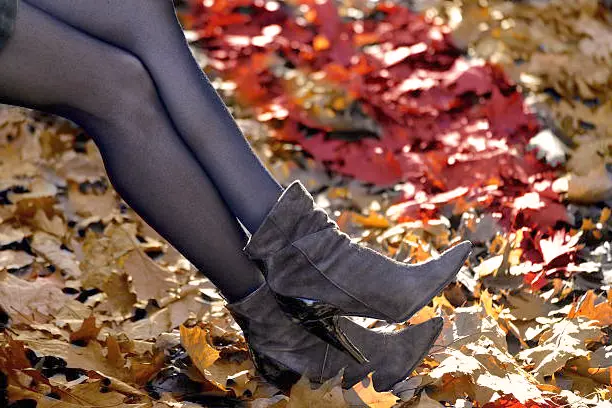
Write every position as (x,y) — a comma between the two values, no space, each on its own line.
(150,30)
(50,66)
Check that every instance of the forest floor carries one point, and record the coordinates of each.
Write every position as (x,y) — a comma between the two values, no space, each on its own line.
(416,124)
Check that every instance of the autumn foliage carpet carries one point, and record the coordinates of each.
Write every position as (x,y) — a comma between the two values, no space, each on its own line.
(416,124)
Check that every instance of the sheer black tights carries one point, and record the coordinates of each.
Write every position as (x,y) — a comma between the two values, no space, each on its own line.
(53,67)
(150,30)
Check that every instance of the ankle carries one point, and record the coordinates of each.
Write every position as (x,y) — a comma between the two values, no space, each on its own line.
(237,294)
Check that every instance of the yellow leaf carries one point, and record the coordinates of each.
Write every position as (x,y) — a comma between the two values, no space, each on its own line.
(423,315)
(605,215)
(486,300)
(320,43)
(371,397)
(373,220)
(196,341)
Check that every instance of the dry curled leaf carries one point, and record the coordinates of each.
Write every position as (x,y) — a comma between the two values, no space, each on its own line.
(52,249)
(149,280)
(371,397)
(24,300)
(87,331)
(589,307)
(328,395)
(563,341)
(196,341)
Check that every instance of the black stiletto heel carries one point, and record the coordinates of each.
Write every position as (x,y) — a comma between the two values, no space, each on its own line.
(321,319)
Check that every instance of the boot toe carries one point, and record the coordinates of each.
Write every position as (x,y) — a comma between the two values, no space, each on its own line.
(457,254)
(406,351)
(428,279)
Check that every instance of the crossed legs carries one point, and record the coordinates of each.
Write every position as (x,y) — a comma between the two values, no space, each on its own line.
(150,30)
(50,66)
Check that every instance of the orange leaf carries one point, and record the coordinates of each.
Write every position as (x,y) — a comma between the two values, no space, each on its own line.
(365,38)
(13,355)
(114,355)
(143,371)
(371,397)
(605,215)
(196,342)
(320,43)
(423,315)
(88,331)
(486,300)
(373,220)
(586,306)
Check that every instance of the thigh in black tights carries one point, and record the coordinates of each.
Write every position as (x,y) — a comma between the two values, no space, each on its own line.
(150,30)
(51,66)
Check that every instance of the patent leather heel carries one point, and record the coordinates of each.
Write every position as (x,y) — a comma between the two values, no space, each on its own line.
(321,319)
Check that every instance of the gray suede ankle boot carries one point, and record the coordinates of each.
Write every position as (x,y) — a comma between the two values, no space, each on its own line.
(318,274)
(282,351)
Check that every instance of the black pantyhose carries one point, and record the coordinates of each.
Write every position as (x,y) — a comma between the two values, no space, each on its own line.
(150,30)
(53,67)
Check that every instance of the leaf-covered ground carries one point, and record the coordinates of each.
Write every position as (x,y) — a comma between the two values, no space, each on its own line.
(416,124)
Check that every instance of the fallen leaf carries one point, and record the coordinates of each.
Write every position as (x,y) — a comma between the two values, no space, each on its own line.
(528,306)
(22,300)
(99,206)
(10,234)
(373,220)
(90,357)
(50,247)
(14,259)
(371,397)
(328,395)
(196,342)
(587,307)
(54,225)
(565,340)
(594,187)
(149,280)
(88,331)
(119,300)
(13,354)
(426,402)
